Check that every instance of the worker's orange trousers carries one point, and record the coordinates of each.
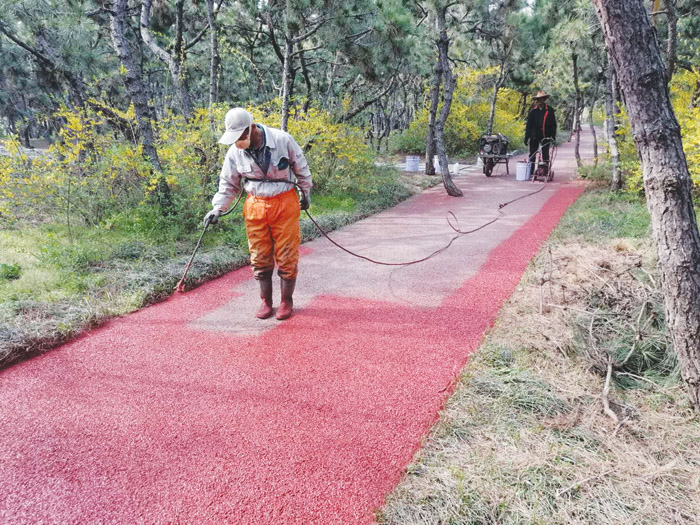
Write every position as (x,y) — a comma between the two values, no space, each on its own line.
(272,225)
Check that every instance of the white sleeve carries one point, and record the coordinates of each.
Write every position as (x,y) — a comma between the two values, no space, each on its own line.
(299,166)
(229,184)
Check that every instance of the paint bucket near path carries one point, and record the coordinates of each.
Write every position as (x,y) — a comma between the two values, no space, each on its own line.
(412,163)
(522,172)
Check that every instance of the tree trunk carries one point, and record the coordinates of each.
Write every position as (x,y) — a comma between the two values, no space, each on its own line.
(215,61)
(523,105)
(286,79)
(174,62)
(635,51)
(307,81)
(432,116)
(450,82)
(494,99)
(568,122)
(577,134)
(492,113)
(611,127)
(577,111)
(331,78)
(133,81)
(672,37)
(593,132)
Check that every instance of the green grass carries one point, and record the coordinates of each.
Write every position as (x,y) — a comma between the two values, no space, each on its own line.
(600,215)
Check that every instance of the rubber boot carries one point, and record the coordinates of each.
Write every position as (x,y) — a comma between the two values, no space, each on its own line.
(286,306)
(265,309)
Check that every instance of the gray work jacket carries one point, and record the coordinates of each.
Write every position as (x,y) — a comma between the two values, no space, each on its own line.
(286,161)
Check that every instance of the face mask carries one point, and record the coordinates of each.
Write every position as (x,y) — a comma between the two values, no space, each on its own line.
(245,143)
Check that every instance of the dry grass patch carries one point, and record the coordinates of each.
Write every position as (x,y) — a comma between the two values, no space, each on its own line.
(525,437)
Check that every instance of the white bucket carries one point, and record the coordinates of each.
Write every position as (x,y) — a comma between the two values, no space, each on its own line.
(412,163)
(522,171)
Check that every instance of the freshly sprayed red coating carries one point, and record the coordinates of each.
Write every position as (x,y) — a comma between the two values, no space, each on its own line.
(148,419)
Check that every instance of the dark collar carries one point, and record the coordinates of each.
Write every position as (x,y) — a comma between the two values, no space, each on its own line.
(264,140)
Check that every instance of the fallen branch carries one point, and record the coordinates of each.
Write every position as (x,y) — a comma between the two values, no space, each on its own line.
(637,334)
(604,396)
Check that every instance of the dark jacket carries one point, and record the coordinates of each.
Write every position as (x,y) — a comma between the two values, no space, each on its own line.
(541,123)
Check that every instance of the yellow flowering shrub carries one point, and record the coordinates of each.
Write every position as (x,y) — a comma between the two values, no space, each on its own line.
(338,157)
(469,115)
(19,182)
(92,171)
(682,91)
(87,172)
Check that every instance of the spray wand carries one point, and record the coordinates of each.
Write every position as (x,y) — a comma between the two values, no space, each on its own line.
(180,287)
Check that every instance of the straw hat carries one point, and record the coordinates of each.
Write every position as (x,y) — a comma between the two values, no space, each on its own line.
(541,95)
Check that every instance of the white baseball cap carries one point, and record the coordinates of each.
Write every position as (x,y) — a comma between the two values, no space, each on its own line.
(237,121)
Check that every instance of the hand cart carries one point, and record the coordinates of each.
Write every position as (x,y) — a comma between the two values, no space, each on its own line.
(543,168)
(493,149)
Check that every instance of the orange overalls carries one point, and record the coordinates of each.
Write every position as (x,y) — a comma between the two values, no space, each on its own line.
(272,226)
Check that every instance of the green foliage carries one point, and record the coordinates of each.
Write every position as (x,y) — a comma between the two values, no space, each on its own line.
(599,174)
(10,271)
(468,117)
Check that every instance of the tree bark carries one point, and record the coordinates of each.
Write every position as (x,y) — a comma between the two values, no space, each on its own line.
(174,62)
(331,78)
(133,81)
(307,81)
(492,113)
(523,105)
(215,60)
(672,19)
(611,127)
(494,98)
(635,51)
(432,116)
(593,132)
(577,111)
(286,79)
(450,82)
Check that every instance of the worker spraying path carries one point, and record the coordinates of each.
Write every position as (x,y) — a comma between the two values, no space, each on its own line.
(195,411)
(269,165)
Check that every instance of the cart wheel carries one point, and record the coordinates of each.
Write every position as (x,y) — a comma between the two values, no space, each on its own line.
(488,167)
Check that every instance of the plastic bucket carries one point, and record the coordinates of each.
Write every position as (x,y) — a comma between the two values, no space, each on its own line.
(412,163)
(522,172)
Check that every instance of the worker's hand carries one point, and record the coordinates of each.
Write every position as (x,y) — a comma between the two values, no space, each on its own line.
(305,201)
(212,217)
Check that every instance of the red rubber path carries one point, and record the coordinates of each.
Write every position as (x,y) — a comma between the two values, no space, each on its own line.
(150,419)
